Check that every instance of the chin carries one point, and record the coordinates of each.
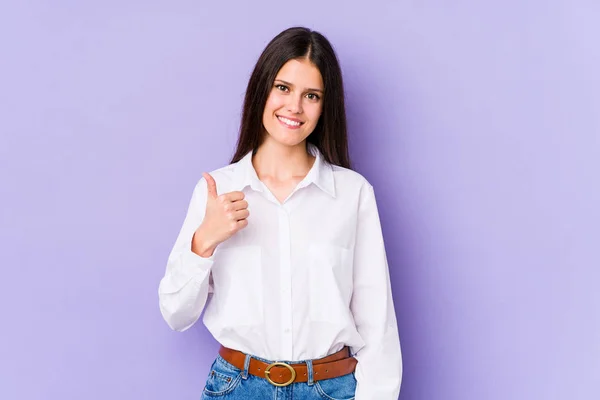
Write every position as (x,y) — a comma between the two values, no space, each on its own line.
(290,143)
(287,139)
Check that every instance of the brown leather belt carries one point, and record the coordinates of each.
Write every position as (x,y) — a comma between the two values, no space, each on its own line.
(283,374)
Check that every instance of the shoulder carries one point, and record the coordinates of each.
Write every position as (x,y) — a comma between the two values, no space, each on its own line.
(225,178)
(349,179)
(351,186)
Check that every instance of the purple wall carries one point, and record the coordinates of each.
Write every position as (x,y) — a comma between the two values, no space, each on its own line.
(477,122)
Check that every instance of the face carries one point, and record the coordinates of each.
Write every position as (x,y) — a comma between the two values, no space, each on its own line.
(295,103)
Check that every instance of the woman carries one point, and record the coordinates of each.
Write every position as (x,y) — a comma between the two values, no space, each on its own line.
(283,247)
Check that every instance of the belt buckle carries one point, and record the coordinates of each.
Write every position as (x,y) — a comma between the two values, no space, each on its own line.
(268,374)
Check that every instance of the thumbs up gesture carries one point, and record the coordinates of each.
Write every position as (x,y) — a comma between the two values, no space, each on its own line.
(225,215)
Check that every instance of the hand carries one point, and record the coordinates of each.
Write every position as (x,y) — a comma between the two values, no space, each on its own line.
(225,215)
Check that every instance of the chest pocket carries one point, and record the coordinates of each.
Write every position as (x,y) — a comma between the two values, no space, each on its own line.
(237,277)
(330,279)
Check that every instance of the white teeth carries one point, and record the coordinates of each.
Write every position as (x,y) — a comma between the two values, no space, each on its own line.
(289,122)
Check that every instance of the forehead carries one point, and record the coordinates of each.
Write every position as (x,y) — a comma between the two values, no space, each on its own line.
(301,73)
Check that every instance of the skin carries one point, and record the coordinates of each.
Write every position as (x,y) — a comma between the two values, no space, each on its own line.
(281,161)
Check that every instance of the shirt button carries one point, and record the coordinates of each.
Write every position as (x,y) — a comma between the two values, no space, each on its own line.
(286,330)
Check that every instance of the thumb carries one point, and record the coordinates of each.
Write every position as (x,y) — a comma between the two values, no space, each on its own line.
(211,185)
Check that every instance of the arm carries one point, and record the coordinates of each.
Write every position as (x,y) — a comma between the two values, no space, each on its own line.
(183,291)
(379,369)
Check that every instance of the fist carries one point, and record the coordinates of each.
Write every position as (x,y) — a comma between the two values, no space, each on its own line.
(225,215)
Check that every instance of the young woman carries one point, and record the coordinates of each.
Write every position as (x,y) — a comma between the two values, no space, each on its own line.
(283,248)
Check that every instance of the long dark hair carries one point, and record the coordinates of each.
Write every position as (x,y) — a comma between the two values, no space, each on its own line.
(330,135)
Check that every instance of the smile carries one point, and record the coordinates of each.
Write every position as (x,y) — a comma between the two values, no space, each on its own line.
(289,123)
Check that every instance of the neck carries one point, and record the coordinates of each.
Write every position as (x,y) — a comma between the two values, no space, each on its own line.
(280,162)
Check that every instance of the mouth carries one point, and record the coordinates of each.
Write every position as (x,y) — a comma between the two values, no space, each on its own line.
(288,123)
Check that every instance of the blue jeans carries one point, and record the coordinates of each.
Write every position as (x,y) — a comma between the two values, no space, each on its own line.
(228,382)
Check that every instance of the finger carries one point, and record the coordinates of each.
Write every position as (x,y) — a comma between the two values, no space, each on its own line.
(239,205)
(233,196)
(211,185)
(239,215)
(242,223)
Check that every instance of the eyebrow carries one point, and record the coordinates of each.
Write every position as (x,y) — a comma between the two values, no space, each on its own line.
(291,84)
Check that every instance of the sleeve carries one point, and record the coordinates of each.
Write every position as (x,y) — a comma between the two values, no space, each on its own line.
(379,369)
(183,290)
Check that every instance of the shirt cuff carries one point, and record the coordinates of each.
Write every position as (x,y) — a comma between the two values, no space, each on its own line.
(188,266)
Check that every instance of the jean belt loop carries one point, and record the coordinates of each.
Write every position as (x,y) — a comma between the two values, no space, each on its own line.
(246,366)
(309,367)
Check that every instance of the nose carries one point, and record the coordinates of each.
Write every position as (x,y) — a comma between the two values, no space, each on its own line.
(295,104)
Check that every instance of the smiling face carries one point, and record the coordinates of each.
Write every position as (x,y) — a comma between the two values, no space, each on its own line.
(294,104)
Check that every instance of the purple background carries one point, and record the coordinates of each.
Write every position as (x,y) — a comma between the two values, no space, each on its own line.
(477,122)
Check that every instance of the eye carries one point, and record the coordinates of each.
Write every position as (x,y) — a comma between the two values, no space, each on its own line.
(281,87)
(313,96)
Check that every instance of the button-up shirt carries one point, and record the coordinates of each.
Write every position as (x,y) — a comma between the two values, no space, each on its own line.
(306,276)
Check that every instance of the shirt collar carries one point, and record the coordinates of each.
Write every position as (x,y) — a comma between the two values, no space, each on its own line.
(321,173)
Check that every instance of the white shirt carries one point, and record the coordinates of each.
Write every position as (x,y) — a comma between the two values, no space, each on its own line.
(303,279)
